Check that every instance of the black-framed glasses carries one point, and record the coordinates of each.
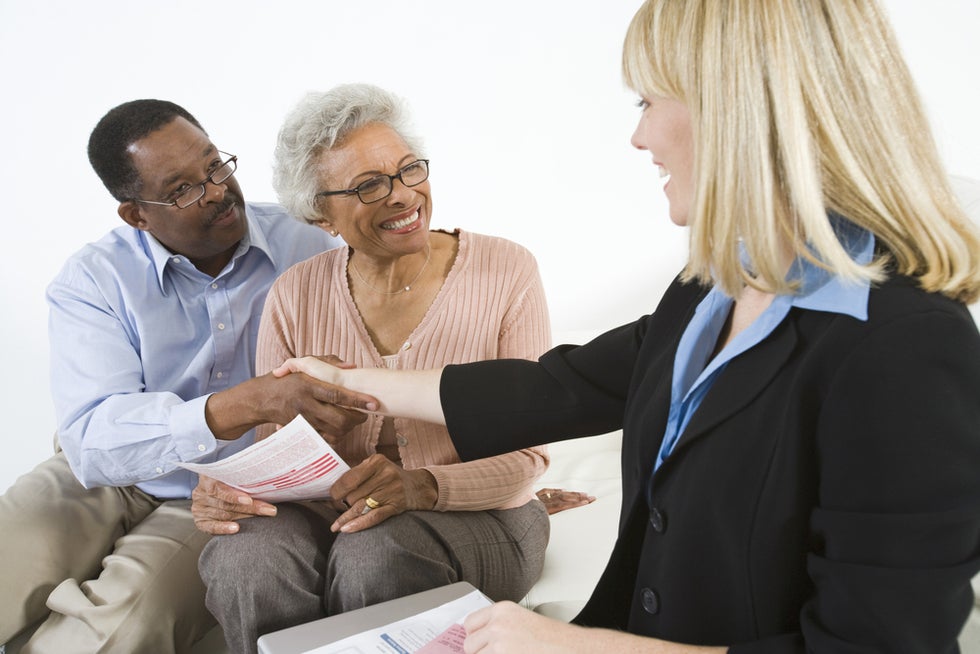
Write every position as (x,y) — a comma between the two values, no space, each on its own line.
(379,187)
(186,195)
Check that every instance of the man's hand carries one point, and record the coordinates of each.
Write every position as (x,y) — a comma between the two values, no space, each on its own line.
(393,488)
(330,409)
(216,507)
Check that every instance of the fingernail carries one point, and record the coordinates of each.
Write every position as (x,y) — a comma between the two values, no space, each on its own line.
(244,499)
(372,406)
(268,510)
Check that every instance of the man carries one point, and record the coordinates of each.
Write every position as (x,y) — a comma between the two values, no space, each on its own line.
(152,334)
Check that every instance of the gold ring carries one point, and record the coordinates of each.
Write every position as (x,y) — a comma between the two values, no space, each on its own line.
(372,503)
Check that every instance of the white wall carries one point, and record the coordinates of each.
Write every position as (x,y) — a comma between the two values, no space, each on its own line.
(519,101)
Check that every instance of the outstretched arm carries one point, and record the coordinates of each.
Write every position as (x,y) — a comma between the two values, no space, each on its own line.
(402,393)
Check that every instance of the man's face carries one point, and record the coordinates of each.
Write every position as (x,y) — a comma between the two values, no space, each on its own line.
(169,160)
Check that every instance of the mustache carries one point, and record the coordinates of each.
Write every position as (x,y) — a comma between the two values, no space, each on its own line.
(227,203)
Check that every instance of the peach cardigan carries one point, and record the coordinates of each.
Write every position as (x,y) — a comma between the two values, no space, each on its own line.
(491,306)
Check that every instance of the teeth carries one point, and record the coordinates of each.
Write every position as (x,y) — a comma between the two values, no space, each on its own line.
(663,172)
(404,222)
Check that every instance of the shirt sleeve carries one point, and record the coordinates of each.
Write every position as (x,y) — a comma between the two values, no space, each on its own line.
(113,432)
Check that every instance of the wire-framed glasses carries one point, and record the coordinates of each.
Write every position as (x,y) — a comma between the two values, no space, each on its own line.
(379,187)
(188,194)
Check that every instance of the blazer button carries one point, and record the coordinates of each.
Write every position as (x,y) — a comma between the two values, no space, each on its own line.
(658,520)
(650,601)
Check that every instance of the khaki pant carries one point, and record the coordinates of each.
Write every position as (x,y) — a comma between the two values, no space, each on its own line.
(100,570)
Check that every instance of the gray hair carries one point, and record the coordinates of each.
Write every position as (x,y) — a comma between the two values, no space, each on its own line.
(321,122)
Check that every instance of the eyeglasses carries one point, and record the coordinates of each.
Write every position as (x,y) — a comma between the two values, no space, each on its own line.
(379,187)
(188,194)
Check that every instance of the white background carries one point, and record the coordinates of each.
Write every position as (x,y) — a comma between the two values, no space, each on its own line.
(519,102)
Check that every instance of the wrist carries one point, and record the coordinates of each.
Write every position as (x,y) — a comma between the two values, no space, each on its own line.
(232,412)
(426,488)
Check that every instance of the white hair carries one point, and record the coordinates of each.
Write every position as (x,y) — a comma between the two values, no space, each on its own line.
(320,122)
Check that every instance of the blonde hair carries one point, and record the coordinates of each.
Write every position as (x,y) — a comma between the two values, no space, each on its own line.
(800,108)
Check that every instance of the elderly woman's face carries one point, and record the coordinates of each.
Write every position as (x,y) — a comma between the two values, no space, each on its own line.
(394,226)
(665,131)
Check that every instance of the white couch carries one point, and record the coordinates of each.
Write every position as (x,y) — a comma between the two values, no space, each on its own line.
(582,538)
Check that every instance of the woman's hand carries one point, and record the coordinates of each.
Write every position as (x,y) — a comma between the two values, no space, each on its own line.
(507,627)
(327,369)
(558,499)
(216,507)
(387,484)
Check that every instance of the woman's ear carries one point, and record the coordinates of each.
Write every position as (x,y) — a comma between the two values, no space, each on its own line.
(129,211)
(325,225)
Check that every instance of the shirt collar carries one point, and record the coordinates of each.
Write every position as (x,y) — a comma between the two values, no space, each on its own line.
(820,290)
(823,291)
(254,237)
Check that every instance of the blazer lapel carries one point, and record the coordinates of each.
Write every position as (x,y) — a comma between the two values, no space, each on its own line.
(743,378)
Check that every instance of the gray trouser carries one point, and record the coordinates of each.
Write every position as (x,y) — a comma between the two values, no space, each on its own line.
(283,571)
(98,570)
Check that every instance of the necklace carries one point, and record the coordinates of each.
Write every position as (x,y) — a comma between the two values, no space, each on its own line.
(408,287)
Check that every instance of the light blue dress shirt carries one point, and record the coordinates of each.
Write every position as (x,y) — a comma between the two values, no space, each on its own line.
(140,338)
(694,373)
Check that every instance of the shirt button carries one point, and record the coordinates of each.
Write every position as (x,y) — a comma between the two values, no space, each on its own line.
(201,447)
(159,471)
(658,520)
(213,285)
(220,375)
(401,440)
(407,346)
(650,601)
(221,325)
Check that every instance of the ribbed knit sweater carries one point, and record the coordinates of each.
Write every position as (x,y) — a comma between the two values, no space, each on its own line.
(491,306)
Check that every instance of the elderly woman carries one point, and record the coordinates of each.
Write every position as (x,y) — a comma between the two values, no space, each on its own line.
(800,413)
(411,516)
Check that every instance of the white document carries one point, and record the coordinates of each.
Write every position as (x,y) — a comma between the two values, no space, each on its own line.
(295,463)
(436,631)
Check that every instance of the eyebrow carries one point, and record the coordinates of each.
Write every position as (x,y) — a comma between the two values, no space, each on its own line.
(169,181)
(411,157)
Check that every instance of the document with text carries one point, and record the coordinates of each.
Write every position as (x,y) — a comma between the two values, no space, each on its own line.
(436,631)
(295,463)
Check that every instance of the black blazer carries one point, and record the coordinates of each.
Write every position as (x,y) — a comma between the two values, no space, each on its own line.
(825,497)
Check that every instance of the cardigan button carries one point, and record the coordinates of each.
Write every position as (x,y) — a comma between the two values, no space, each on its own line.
(650,601)
(658,520)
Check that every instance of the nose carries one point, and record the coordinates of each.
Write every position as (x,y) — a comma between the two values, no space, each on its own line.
(214,192)
(636,140)
(400,194)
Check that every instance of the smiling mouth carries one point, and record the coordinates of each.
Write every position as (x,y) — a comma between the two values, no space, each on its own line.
(402,223)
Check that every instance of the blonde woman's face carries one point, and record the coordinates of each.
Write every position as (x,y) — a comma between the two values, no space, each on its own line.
(664,130)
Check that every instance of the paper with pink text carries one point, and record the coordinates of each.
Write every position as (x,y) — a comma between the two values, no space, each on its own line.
(295,463)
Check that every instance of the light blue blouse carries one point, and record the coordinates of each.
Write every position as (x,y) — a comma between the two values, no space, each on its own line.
(694,373)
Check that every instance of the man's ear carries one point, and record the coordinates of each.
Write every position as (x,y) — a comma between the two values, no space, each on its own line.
(129,211)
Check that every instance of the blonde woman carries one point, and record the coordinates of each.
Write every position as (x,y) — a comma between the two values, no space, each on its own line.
(800,413)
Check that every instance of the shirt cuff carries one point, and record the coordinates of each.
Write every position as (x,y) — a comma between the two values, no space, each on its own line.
(189,428)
